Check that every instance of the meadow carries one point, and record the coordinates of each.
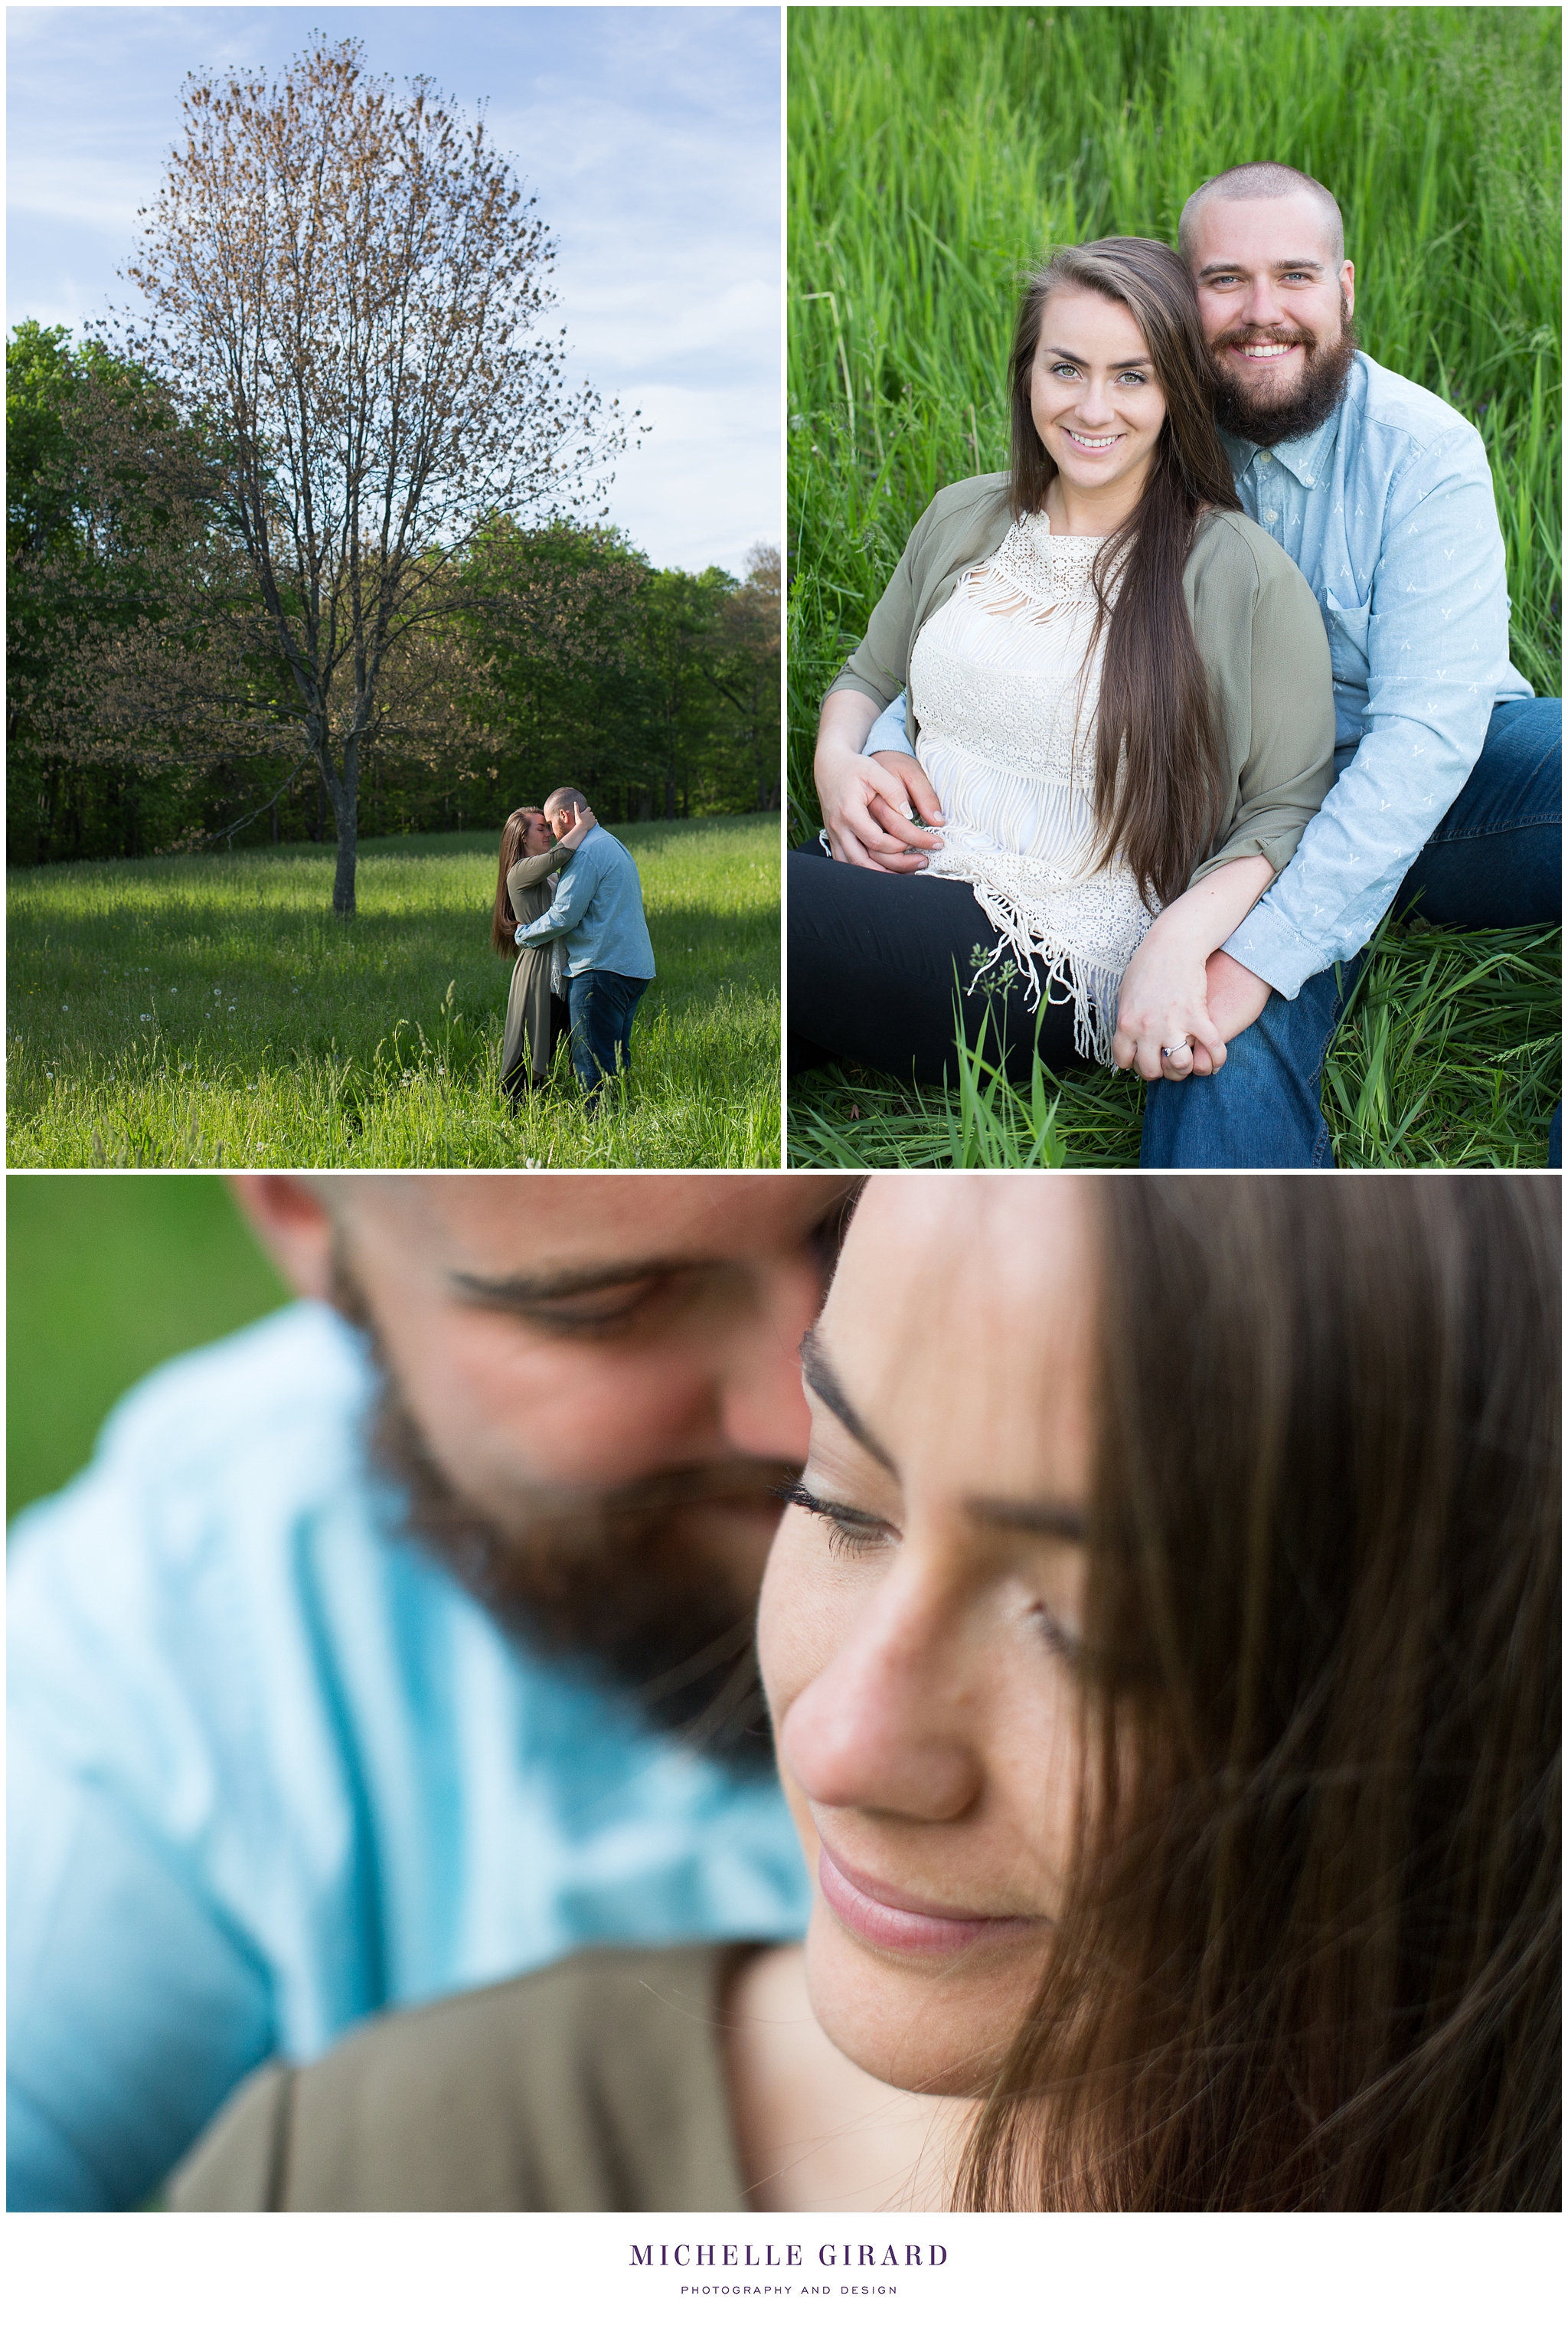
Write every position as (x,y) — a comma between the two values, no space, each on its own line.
(933,154)
(185,1012)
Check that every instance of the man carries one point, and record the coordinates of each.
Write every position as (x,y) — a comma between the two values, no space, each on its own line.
(1448,797)
(598,909)
(401,1642)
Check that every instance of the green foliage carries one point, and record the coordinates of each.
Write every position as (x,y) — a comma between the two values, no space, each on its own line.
(1449,1058)
(106,1277)
(195,1012)
(934,154)
(662,701)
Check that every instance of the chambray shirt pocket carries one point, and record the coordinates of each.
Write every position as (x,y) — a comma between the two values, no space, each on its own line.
(1349,628)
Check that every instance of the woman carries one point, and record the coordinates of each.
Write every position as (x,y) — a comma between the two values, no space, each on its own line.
(536,1006)
(1162,1658)
(1121,694)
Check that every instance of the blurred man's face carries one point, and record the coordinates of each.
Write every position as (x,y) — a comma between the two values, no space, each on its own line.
(560,819)
(591,1384)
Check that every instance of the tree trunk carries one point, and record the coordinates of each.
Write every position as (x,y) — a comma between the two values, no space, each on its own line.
(346,807)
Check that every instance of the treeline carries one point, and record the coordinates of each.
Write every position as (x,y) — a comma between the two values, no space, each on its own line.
(136,725)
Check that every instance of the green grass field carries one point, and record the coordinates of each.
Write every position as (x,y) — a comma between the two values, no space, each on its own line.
(178,1013)
(934,153)
(105,1277)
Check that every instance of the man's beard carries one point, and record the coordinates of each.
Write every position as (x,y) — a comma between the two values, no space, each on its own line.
(1321,387)
(621,1581)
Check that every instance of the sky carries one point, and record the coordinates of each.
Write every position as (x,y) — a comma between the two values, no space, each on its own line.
(651,136)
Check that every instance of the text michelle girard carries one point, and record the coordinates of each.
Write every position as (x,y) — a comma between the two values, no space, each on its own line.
(853,2256)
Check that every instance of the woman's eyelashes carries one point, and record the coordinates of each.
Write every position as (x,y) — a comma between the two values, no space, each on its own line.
(849,1531)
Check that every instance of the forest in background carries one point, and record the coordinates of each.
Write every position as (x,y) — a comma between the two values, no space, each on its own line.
(568,658)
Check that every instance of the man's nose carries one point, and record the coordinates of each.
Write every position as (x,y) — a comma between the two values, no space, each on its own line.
(763,1406)
(1262,303)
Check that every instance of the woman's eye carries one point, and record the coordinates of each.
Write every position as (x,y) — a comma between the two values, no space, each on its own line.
(849,1533)
(1060,1643)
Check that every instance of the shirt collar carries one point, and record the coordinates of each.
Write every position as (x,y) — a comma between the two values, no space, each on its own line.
(1306,456)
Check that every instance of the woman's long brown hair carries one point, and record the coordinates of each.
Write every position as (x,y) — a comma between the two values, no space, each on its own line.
(504,920)
(1310,1954)
(1158,807)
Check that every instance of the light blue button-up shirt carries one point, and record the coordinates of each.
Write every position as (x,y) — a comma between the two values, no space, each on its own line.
(1387,509)
(598,909)
(270,1769)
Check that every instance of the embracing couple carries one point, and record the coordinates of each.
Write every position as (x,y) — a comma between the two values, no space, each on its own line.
(1172,714)
(1172,1835)
(569,903)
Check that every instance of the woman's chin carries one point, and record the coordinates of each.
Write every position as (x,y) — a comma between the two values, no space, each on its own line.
(942,2029)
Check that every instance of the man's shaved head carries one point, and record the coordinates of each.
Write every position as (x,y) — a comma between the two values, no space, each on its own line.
(567,796)
(1263,181)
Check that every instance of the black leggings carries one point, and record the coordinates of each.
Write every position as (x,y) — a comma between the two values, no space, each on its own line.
(876,961)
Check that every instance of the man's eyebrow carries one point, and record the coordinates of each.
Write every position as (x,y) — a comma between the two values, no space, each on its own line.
(1061,1519)
(824,1382)
(522,1292)
(1276,266)
(1144,362)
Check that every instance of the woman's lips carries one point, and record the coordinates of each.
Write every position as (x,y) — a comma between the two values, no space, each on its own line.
(895,1923)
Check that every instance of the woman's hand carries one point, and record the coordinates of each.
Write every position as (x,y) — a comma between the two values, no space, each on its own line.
(1164,1022)
(587,821)
(866,802)
(1163,1008)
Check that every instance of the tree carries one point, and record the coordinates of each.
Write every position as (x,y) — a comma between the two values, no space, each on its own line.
(108,541)
(349,291)
(745,671)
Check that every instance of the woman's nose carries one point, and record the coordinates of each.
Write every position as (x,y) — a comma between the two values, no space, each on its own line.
(1094,404)
(888,1724)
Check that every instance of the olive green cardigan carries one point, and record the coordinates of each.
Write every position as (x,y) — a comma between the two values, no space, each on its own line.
(1258,629)
(596,2085)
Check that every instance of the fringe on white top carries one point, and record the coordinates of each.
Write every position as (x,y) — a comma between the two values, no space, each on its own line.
(1006,692)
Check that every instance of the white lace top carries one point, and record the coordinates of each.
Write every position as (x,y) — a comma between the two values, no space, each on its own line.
(1006,696)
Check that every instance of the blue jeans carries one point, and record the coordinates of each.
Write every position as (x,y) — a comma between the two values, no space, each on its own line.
(602,1005)
(1494,862)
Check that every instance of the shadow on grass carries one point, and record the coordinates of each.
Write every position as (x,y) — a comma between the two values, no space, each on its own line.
(159,1009)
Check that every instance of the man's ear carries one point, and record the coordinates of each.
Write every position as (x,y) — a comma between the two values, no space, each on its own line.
(289,1218)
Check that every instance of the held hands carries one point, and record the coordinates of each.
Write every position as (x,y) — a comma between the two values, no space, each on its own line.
(866,805)
(1163,1024)
(1163,1029)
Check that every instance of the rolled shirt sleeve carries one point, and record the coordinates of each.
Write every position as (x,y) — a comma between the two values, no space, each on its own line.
(1424,646)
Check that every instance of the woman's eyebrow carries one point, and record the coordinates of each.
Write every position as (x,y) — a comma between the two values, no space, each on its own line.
(1082,361)
(824,1382)
(1058,1518)
(522,1291)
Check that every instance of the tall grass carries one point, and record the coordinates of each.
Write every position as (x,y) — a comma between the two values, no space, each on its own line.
(934,153)
(181,1013)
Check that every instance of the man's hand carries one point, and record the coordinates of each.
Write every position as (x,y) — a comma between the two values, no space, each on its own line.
(1237,998)
(866,802)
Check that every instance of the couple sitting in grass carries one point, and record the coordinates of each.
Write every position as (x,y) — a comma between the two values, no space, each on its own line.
(569,903)
(1172,714)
